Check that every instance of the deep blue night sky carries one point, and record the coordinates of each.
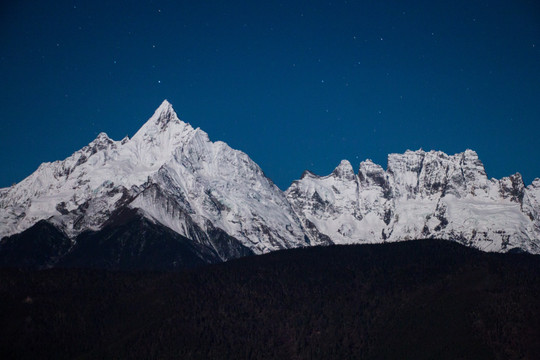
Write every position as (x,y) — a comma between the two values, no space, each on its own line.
(296,85)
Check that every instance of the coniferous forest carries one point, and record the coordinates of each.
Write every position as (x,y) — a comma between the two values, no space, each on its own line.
(412,300)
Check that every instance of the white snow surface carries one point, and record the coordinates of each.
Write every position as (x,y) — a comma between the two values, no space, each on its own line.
(422,195)
(217,185)
(175,175)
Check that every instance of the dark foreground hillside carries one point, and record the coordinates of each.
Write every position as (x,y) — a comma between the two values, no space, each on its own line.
(412,300)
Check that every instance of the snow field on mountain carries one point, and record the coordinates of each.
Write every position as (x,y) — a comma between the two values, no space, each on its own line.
(176,176)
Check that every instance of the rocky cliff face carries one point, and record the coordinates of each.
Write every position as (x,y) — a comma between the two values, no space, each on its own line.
(421,195)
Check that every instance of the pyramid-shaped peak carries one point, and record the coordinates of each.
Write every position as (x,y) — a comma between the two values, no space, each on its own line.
(164,121)
(165,105)
(164,114)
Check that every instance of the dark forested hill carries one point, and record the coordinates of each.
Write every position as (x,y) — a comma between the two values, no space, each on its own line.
(416,300)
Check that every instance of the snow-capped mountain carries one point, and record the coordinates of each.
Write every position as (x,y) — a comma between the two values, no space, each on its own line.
(209,202)
(421,195)
(173,175)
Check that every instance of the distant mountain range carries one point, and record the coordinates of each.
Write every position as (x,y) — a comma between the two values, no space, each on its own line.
(170,198)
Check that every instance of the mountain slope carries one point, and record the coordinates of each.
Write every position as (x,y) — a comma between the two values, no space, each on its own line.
(133,242)
(127,241)
(170,174)
(415,300)
(173,174)
(39,246)
(421,195)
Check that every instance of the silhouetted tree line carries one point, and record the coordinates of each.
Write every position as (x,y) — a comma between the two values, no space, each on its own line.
(417,300)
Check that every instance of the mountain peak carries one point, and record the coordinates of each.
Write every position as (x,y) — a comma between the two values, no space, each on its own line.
(164,114)
(368,166)
(220,199)
(470,153)
(164,120)
(102,137)
(308,173)
(101,141)
(165,105)
(344,170)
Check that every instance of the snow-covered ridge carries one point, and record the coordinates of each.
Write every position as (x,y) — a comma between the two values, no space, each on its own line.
(202,186)
(99,172)
(173,174)
(422,195)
